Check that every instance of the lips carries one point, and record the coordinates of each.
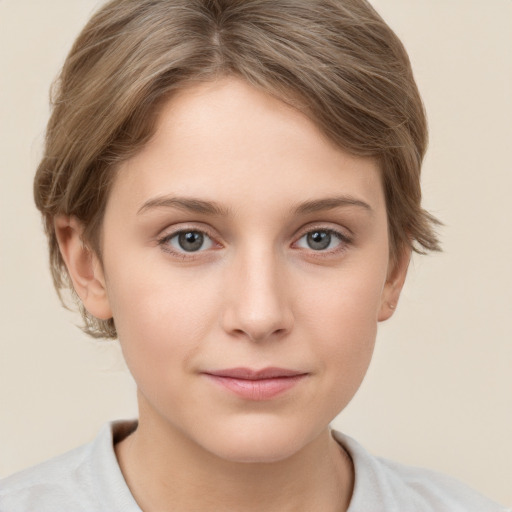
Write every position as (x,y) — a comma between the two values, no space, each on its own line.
(257,385)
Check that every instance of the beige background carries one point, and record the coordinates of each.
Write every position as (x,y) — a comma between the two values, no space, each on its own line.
(439,392)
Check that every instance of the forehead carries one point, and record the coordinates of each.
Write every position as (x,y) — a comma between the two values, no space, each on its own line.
(229,142)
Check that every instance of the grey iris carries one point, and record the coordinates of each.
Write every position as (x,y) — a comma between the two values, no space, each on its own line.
(319,240)
(190,241)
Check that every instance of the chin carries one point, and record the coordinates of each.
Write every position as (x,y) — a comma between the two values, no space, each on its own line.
(257,441)
(255,452)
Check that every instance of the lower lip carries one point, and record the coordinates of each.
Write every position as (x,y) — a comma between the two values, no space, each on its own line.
(260,389)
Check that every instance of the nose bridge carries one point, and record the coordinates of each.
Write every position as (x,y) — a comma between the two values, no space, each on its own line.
(257,305)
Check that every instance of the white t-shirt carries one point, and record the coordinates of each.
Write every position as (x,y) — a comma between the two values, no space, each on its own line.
(88,479)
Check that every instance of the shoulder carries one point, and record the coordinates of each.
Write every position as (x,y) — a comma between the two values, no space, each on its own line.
(58,482)
(385,486)
(87,478)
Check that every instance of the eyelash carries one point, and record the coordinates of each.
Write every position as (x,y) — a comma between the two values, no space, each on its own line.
(163,242)
(344,242)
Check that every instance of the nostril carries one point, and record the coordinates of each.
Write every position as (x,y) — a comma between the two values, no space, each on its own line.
(257,335)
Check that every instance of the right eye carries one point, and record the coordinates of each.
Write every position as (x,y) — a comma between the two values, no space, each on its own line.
(187,241)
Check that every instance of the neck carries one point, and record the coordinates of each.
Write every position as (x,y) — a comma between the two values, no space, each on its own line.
(167,471)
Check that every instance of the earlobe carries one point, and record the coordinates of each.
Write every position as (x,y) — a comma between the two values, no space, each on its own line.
(394,285)
(84,267)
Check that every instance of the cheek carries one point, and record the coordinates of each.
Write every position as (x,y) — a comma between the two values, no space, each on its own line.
(342,319)
(161,317)
(346,301)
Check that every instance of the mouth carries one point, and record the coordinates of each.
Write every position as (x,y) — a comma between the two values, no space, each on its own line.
(256,385)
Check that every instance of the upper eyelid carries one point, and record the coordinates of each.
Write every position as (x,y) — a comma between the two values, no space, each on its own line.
(169,232)
(344,233)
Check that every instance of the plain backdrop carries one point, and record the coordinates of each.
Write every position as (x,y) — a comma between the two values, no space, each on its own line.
(439,390)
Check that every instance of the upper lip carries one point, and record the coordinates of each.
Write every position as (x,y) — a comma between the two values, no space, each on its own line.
(250,374)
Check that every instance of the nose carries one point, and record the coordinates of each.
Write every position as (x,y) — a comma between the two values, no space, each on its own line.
(256,297)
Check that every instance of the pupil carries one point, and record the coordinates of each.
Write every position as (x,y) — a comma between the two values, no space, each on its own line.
(191,241)
(319,240)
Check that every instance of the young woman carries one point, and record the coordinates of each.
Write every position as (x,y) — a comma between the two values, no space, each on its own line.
(232,189)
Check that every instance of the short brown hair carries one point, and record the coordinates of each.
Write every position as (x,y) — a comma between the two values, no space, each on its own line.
(335,60)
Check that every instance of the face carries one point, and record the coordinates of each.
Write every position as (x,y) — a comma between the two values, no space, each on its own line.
(245,260)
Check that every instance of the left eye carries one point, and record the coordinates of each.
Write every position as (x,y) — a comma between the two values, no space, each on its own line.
(189,241)
(320,240)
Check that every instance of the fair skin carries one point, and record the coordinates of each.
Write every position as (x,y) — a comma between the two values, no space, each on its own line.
(285,265)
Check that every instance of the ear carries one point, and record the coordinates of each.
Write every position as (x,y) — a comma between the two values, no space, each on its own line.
(394,283)
(84,267)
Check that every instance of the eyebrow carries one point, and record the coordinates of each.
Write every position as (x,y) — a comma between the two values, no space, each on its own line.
(331,203)
(195,205)
(185,203)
